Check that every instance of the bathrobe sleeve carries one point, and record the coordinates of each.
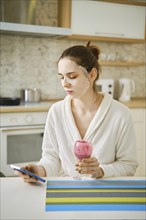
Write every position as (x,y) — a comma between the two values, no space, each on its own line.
(50,156)
(125,161)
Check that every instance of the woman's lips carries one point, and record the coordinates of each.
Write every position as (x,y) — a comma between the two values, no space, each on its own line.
(69,92)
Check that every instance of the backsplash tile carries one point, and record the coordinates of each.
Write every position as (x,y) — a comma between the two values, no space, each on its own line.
(28,62)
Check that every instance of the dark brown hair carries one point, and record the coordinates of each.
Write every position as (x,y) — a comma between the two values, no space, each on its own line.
(85,56)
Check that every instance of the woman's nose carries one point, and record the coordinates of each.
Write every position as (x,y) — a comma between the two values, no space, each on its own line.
(65,82)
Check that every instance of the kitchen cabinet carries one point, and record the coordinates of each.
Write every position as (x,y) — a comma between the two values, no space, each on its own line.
(138,116)
(89,24)
(21,132)
(106,21)
(31,18)
(36,30)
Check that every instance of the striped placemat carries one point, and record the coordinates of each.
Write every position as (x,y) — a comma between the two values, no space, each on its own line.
(93,195)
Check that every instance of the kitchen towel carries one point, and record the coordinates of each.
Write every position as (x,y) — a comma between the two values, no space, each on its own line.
(95,195)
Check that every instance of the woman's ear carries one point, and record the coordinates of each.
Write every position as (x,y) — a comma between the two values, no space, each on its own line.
(93,74)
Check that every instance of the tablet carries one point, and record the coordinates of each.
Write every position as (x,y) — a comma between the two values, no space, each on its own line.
(22,170)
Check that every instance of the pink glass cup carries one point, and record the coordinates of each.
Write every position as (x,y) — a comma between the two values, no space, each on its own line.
(83,149)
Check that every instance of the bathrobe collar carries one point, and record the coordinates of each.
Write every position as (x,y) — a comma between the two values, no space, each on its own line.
(95,123)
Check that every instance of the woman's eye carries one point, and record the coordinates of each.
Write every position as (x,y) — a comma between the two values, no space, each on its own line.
(61,77)
(72,77)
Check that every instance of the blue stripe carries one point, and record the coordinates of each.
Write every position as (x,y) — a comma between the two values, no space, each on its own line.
(99,180)
(97,187)
(111,207)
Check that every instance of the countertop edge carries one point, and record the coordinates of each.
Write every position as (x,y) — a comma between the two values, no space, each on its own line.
(45,106)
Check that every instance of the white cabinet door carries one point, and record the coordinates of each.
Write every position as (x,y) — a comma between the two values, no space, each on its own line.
(138,116)
(107,19)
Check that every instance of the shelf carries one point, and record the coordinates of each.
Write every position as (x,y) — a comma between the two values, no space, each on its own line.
(129,2)
(104,39)
(120,63)
(13,28)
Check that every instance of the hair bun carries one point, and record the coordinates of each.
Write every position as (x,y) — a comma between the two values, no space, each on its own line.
(88,43)
(94,49)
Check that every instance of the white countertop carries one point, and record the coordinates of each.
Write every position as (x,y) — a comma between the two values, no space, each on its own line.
(44,106)
(20,200)
(27,107)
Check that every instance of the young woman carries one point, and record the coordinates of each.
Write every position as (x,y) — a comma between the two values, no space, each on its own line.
(85,114)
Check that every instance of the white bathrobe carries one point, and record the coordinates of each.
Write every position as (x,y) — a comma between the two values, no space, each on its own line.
(111,133)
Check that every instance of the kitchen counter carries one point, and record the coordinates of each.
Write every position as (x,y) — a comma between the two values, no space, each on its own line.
(136,103)
(28,107)
(45,105)
(20,200)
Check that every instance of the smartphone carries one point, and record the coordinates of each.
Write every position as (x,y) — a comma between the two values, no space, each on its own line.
(22,170)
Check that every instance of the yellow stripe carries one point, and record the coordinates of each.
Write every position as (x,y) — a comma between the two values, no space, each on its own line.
(94,200)
(96,190)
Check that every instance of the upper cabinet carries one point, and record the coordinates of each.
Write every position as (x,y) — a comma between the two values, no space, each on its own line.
(117,21)
(121,21)
(35,17)
(36,30)
(107,19)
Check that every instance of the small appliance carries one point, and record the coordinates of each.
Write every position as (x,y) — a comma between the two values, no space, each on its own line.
(127,87)
(105,85)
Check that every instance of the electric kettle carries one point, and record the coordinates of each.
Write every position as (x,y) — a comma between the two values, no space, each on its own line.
(127,87)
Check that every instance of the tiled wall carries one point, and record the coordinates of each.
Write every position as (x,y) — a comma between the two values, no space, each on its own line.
(28,62)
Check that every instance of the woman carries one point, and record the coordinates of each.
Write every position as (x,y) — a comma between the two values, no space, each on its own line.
(89,115)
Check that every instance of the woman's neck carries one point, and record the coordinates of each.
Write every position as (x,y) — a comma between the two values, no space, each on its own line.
(90,102)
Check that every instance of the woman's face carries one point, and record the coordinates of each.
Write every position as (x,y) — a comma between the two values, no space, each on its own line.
(74,78)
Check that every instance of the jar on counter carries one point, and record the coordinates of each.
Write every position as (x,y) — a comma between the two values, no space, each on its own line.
(30,95)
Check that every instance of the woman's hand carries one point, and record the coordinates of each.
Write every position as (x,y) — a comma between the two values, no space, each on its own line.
(36,169)
(89,166)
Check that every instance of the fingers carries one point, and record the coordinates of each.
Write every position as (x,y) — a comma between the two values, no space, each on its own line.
(29,179)
(89,166)
(88,162)
(86,169)
(29,167)
(19,174)
(26,177)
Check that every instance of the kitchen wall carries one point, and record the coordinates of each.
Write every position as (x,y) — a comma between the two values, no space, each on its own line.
(28,61)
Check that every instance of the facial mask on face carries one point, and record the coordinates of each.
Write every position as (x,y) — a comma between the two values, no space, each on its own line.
(83,88)
(84,83)
(81,83)
(82,70)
